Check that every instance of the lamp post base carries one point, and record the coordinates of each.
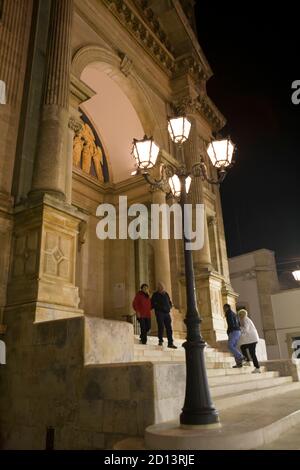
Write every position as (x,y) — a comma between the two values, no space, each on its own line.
(193,420)
(198,408)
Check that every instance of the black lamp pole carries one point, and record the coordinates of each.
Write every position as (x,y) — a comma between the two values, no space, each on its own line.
(198,408)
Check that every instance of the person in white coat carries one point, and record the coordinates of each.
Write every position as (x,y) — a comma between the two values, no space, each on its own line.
(248,339)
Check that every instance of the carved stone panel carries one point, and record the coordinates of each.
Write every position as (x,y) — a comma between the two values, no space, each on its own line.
(57,255)
(25,260)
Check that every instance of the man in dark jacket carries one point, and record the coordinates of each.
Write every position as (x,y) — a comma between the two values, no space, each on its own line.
(161,303)
(234,333)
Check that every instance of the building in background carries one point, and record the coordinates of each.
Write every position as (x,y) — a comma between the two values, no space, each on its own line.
(274,309)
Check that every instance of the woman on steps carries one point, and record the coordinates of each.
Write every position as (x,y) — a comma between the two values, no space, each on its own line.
(248,339)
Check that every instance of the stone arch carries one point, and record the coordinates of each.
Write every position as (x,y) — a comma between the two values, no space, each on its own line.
(121,69)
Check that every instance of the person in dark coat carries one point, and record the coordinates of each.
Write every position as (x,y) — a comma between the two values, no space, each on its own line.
(161,303)
(142,307)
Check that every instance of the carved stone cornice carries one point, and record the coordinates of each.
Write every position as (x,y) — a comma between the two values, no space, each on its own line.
(147,31)
(152,20)
(203,105)
(144,25)
(190,64)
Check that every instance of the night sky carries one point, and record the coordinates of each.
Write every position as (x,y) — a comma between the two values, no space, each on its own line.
(255,56)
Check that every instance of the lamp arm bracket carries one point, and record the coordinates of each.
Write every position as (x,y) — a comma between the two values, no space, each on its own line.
(161,183)
(200,170)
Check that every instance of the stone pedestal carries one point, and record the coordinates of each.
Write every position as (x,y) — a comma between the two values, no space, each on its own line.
(44,256)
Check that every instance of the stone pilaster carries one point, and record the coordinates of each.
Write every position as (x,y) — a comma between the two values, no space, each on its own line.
(50,164)
(161,249)
(202,258)
(208,278)
(161,255)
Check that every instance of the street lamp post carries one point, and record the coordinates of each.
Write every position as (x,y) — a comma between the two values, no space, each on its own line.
(198,408)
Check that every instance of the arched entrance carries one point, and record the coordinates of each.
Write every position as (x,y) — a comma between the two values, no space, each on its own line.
(109,271)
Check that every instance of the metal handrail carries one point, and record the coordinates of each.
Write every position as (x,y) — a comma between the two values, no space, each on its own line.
(132,318)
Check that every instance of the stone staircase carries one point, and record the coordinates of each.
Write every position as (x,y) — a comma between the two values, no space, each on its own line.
(256,410)
(152,352)
(229,387)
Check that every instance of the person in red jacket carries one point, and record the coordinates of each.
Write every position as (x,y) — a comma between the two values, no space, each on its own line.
(142,307)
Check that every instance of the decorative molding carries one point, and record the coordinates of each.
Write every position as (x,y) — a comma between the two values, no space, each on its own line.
(204,105)
(92,53)
(80,92)
(57,255)
(153,21)
(25,260)
(126,64)
(147,31)
(190,64)
(150,40)
(75,125)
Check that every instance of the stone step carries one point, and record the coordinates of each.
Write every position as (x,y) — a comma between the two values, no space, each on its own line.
(238,378)
(242,370)
(165,356)
(139,348)
(158,353)
(254,426)
(153,341)
(162,354)
(249,396)
(289,440)
(246,386)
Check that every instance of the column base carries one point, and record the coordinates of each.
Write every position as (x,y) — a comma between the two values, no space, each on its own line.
(45,244)
(50,312)
(210,304)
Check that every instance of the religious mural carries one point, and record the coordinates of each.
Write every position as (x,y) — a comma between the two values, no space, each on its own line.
(88,152)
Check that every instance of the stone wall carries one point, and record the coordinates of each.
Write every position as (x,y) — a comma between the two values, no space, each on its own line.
(45,384)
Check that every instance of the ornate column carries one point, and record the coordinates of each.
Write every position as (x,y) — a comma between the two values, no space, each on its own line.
(46,228)
(15,26)
(50,165)
(161,257)
(161,250)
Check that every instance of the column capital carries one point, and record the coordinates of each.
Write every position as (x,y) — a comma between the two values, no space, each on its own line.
(74,124)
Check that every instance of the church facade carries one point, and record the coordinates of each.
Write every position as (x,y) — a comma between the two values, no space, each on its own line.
(82,80)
